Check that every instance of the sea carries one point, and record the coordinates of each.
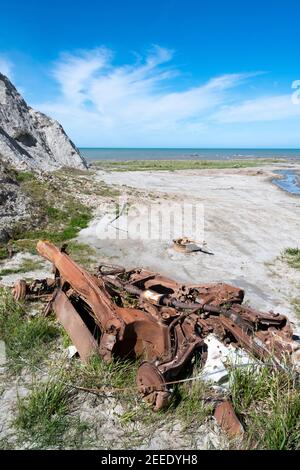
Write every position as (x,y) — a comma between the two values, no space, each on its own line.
(186,153)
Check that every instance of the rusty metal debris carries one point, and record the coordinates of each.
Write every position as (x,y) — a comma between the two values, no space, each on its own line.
(186,245)
(138,313)
(38,289)
(227,419)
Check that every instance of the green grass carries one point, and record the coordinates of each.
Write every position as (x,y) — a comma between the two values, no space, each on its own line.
(107,191)
(81,253)
(292,257)
(118,374)
(26,265)
(43,416)
(58,216)
(70,172)
(57,211)
(268,404)
(172,165)
(24,245)
(3,252)
(188,402)
(68,231)
(190,405)
(5,444)
(27,339)
(23,176)
(296,305)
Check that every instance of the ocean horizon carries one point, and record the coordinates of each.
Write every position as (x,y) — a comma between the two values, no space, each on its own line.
(101,153)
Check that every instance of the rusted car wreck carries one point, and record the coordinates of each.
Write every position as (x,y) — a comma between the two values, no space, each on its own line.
(119,313)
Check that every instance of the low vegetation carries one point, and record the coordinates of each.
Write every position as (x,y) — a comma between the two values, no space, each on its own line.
(292,257)
(26,338)
(43,417)
(61,205)
(296,305)
(191,403)
(172,165)
(25,266)
(268,405)
(267,401)
(43,414)
(117,376)
(81,253)
(24,176)
(3,252)
(57,215)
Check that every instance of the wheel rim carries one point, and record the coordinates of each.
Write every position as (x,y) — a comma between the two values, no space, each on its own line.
(152,386)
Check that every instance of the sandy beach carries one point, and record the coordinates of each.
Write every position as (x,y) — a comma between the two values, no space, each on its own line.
(248,222)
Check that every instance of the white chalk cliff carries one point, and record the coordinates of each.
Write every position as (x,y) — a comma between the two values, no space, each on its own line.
(30,139)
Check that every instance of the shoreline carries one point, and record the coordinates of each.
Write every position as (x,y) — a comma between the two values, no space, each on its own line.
(122,154)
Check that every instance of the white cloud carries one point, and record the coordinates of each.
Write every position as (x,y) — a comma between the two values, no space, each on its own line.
(127,104)
(102,103)
(270,108)
(6,67)
(74,72)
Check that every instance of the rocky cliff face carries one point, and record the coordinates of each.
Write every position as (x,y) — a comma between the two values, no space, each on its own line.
(14,204)
(30,139)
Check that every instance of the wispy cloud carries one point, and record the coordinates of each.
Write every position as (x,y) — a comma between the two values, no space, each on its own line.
(270,108)
(103,103)
(6,67)
(131,102)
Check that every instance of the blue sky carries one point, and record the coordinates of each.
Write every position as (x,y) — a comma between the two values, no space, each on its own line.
(165,73)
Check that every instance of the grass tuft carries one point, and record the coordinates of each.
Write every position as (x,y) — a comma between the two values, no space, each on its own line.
(26,339)
(3,252)
(192,407)
(117,374)
(81,253)
(26,265)
(43,415)
(292,257)
(296,305)
(268,404)
(24,176)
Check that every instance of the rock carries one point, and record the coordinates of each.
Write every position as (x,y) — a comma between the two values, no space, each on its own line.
(30,139)
(2,353)
(71,351)
(14,204)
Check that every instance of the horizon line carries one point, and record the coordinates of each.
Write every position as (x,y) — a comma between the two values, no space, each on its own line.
(189,148)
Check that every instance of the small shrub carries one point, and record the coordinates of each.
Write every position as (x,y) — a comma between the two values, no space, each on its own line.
(27,339)
(268,404)
(292,257)
(24,176)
